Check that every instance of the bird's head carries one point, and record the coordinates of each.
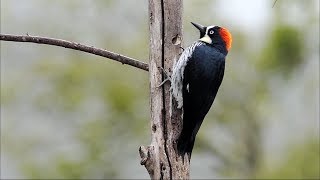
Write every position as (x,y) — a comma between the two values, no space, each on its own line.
(215,35)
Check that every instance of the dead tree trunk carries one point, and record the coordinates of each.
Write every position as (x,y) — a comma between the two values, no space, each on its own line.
(161,158)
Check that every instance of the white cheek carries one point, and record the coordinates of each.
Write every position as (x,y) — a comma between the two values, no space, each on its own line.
(206,39)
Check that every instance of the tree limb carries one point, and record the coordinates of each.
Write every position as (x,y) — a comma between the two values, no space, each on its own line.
(76,46)
(274,3)
(161,158)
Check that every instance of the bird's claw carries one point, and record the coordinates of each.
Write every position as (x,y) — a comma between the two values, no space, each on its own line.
(163,82)
(182,50)
(165,73)
(168,77)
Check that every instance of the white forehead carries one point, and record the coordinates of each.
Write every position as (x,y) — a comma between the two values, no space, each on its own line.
(209,27)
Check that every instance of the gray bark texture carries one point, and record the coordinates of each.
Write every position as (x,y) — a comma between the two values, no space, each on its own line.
(161,158)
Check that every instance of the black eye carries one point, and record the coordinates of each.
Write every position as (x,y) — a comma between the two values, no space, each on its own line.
(211,31)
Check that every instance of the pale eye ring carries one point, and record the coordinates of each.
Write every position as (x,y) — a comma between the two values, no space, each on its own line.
(211,32)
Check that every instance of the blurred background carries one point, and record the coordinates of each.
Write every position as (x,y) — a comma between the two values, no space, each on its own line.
(68,114)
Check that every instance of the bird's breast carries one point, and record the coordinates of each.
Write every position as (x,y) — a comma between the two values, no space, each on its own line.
(207,61)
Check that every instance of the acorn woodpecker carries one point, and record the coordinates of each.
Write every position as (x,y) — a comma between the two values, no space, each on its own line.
(196,78)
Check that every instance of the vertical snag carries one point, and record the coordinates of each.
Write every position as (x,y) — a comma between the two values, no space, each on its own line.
(165,26)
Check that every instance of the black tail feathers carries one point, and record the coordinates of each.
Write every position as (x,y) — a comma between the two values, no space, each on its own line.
(185,144)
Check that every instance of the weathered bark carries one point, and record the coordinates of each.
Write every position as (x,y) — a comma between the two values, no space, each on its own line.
(161,158)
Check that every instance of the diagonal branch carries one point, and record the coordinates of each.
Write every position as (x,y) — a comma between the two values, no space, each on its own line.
(76,46)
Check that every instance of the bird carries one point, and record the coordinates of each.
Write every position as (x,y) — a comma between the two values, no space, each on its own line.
(196,78)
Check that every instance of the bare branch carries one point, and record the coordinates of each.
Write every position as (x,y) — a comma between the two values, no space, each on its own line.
(76,46)
(274,3)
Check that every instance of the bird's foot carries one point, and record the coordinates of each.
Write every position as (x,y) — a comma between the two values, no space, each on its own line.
(182,50)
(166,73)
(168,77)
(163,82)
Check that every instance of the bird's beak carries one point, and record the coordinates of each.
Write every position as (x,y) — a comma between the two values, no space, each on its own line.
(201,28)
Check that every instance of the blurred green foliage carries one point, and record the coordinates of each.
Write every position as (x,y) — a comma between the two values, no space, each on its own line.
(283,51)
(301,162)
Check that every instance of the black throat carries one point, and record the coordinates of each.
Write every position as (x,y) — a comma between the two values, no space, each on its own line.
(220,46)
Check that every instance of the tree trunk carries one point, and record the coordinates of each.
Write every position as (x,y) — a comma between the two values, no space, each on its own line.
(161,158)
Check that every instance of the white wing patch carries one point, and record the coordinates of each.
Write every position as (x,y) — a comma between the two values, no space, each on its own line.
(178,72)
